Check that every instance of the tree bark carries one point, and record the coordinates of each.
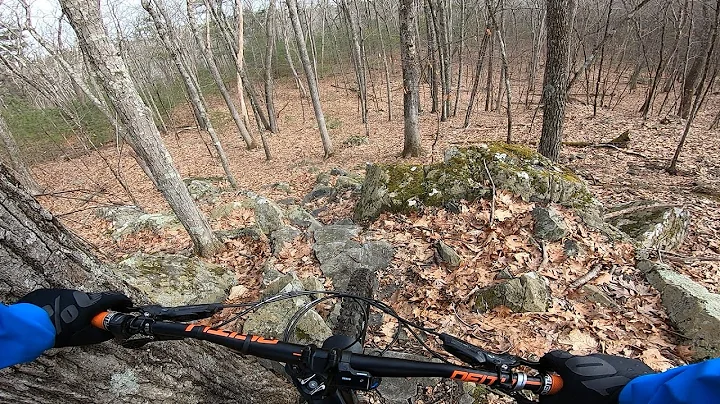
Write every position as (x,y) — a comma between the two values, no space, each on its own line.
(142,134)
(37,251)
(357,58)
(240,58)
(411,79)
(310,75)
(555,85)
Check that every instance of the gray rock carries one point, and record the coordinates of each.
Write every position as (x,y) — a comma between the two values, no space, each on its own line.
(522,171)
(504,274)
(201,188)
(345,183)
(374,255)
(336,233)
(447,254)
(322,178)
(283,186)
(327,251)
(284,284)
(301,218)
(650,224)
(227,209)
(338,171)
(528,293)
(269,273)
(128,220)
(549,224)
(283,236)
(691,307)
(268,216)
(596,295)
(571,248)
(312,283)
(271,319)
(119,215)
(175,280)
(319,191)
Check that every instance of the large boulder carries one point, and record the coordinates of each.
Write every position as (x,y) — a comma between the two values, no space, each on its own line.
(650,224)
(268,215)
(528,293)
(203,188)
(271,319)
(299,217)
(126,220)
(176,280)
(463,175)
(691,307)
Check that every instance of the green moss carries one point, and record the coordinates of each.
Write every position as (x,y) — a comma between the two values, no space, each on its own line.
(405,182)
(515,150)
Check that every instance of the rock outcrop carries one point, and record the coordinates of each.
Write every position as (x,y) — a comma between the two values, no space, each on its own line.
(691,307)
(464,175)
(528,293)
(650,224)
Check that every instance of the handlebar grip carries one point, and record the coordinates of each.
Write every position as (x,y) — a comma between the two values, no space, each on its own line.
(556,383)
(99,320)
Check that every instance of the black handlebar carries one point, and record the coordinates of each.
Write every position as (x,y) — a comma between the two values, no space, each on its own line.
(359,369)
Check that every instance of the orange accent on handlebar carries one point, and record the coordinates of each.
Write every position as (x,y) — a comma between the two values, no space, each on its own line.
(557,383)
(98,320)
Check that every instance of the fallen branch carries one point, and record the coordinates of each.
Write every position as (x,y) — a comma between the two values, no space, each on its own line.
(605,145)
(632,209)
(590,275)
(492,202)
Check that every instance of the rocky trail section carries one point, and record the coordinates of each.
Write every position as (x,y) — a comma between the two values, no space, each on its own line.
(537,264)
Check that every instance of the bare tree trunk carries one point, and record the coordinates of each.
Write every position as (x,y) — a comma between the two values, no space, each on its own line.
(707,58)
(269,52)
(357,57)
(240,58)
(411,79)
(388,87)
(21,169)
(169,39)
(433,66)
(210,60)
(460,50)
(310,74)
(142,134)
(506,73)
(288,56)
(476,78)
(37,251)
(437,12)
(555,85)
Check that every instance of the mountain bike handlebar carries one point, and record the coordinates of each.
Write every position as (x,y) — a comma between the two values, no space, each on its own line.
(352,370)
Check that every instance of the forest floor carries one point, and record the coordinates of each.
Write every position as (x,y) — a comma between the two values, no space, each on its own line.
(77,185)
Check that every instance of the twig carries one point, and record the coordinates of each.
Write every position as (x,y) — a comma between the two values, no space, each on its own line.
(472,292)
(545,257)
(492,202)
(632,209)
(630,152)
(590,275)
(458,317)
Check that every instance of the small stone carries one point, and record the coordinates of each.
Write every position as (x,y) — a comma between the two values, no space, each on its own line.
(322,178)
(237,292)
(447,254)
(344,183)
(549,224)
(283,236)
(284,284)
(504,274)
(312,283)
(283,186)
(269,273)
(268,216)
(596,295)
(571,248)
(338,171)
(528,293)
(319,191)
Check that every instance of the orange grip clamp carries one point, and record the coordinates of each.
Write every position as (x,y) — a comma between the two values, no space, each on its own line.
(99,319)
(557,383)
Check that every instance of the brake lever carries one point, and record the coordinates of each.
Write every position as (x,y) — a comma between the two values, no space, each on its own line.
(478,357)
(180,313)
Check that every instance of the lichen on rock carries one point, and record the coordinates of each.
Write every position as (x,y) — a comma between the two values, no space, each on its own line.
(464,175)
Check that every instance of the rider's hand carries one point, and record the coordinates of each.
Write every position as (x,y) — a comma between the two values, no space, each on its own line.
(71,311)
(592,379)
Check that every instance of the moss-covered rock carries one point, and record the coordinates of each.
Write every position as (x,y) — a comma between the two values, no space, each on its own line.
(528,293)
(175,280)
(464,175)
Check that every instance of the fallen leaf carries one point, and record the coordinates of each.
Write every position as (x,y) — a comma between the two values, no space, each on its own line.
(582,343)
(653,358)
(501,215)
